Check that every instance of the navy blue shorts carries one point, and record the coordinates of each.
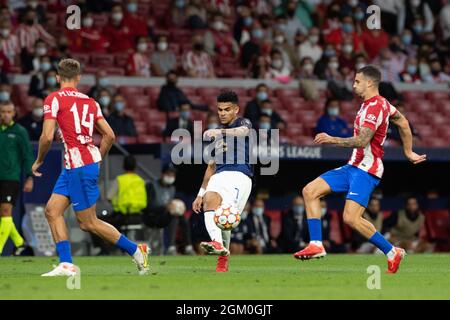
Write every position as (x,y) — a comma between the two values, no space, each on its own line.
(80,185)
(357,183)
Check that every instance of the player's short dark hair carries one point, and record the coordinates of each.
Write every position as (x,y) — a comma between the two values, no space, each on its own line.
(68,69)
(228,96)
(129,163)
(372,73)
(261,85)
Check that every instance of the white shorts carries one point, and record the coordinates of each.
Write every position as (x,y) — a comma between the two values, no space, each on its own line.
(233,186)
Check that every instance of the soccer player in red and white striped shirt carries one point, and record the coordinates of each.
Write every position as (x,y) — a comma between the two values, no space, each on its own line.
(364,170)
(77,115)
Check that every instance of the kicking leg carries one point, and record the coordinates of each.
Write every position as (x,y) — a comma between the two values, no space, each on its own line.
(312,194)
(90,223)
(353,212)
(212,201)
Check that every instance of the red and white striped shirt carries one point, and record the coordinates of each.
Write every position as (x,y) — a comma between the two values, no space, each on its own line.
(10,47)
(28,35)
(374,114)
(76,115)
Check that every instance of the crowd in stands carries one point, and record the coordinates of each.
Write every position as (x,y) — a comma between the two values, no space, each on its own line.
(305,40)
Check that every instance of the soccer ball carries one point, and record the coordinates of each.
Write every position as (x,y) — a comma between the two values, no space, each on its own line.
(227,217)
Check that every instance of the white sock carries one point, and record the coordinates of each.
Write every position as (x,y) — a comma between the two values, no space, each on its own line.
(317,243)
(214,232)
(391,254)
(226,236)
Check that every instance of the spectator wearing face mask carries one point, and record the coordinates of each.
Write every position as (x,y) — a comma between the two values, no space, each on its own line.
(138,64)
(330,122)
(133,20)
(37,7)
(436,74)
(196,62)
(294,24)
(288,51)
(253,107)
(347,57)
(101,83)
(104,100)
(37,81)
(346,32)
(279,69)
(417,8)
(307,69)
(258,234)
(212,122)
(293,234)
(50,84)
(156,216)
(182,122)
(163,59)
(218,39)
(259,68)
(406,44)
(391,65)
(171,96)
(332,72)
(254,46)
(374,41)
(32,121)
(31,62)
(88,39)
(120,122)
(9,43)
(118,33)
(176,14)
(30,31)
(276,121)
(196,14)
(242,26)
(5,92)
(310,47)
(410,72)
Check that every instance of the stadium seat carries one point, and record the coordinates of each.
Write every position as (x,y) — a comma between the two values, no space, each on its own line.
(437,96)
(140,103)
(149,139)
(132,91)
(207,92)
(126,140)
(437,223)
(283,93)
(120,59)
(102,60)
(83,58)
(100,20)
(113,71)
(413,95)
(275,222)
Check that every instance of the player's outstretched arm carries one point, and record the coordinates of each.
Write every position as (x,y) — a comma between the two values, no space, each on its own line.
(108,136)
(241,131)
(197,204)
(359,141)
(405,134)
(45,142)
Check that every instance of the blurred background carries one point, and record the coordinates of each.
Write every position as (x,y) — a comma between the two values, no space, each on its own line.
(156,66)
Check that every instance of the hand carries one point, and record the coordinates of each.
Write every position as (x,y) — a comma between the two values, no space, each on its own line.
(28,186)
(197,204)
(323,138)
(212,133)
(415,158)
(35,168)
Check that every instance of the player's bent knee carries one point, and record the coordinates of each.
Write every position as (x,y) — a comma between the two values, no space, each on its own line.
(308,192)
(51,213)
(87,226)
(350,220)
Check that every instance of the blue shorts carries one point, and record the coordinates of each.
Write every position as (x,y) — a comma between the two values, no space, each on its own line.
(80,185)
(358,183)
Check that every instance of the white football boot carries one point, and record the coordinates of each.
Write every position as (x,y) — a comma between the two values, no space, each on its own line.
(64,269)
(140,258)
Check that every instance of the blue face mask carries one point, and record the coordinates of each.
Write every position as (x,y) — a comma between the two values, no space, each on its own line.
(104,100)
(329,53)
(267,112)
(45,66)
(359,15)
(412,69)
(119,106)
(213,126)
(179,4)
(333,112)
(347,27)
(264,125)
(257,33)
(51,81)
(103,82)
(407,39)
(298,209)
(132,7)
(258,211)
(248,21)
(418,28)
(4,96)
(185,114)
(262,95)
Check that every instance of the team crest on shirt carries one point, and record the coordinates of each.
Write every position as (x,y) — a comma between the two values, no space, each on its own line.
(47,109)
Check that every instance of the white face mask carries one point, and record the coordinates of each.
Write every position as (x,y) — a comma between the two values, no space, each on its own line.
(142,47)
(218,25)
(117,16)
(348,48)
(308,67)
(279,39)
(5,32)
(333,65)
(38,113)
(88,22)
(277,63)
(162,46)
(314,39)
(169,180)
(41,51)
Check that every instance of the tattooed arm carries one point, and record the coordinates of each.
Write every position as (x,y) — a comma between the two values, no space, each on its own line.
(359,141)
(405,134)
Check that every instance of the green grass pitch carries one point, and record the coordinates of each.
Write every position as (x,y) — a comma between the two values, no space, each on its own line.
(250,277)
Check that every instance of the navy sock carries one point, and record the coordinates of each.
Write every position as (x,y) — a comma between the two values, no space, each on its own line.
(126,245)
(315,229)
(63,250)
(381,243)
